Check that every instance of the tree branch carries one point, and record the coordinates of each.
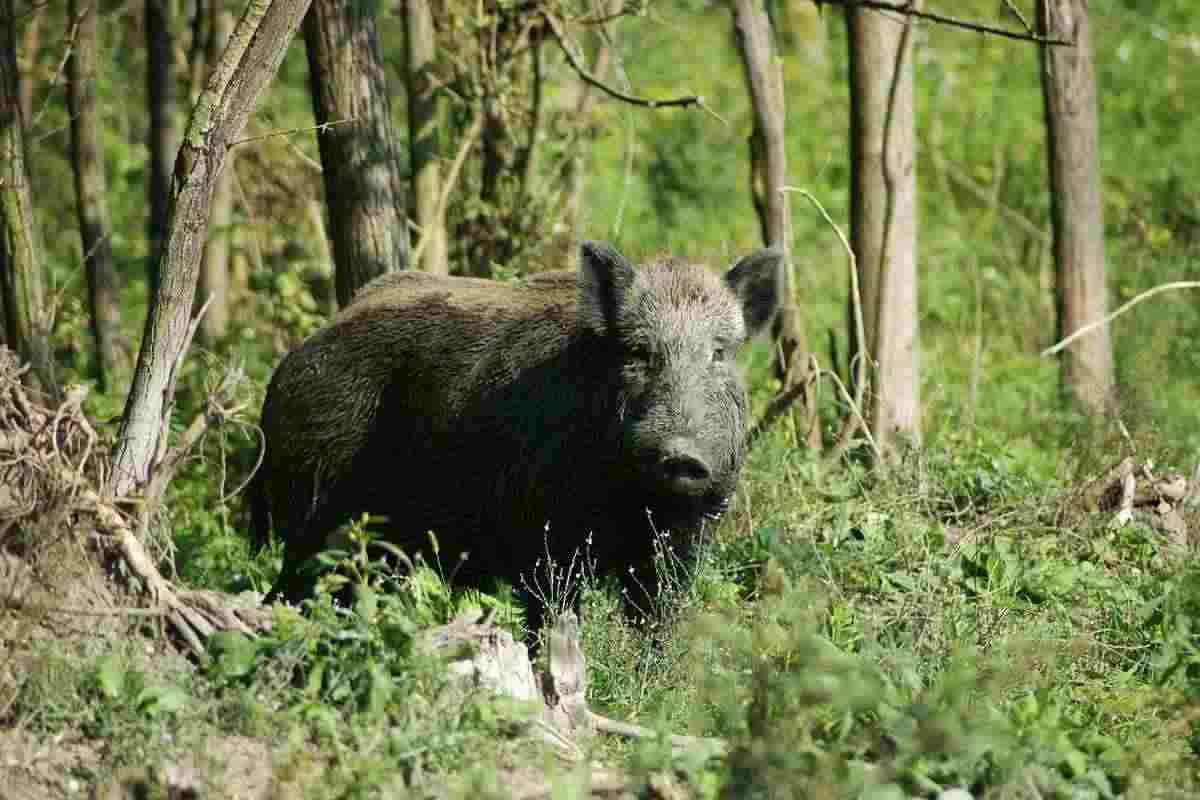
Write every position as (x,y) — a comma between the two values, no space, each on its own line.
(255,49)
(909,10)
(1091,326)
(858,362)
(617,94)
(324,126)
(460,157)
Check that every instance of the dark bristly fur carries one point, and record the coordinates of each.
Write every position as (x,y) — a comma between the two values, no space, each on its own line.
(484,411)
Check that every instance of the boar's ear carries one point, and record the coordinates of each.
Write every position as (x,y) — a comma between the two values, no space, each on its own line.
(758,282)
(604,279)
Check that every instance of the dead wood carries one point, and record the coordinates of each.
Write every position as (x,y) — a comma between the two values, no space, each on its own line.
(1130,490)
(484,657)
(52,470)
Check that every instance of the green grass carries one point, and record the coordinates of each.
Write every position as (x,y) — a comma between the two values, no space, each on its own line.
(954,623)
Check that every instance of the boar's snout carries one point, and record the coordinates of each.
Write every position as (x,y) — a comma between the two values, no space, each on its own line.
(680,469)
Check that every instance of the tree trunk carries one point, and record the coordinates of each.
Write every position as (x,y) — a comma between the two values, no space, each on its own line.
(768,176)
(22,278)
(576,170)
(91,194)
(1077,211)
(363,187)
(214,266)
(485,249)
(423,124)
(527,157)
(162,141)
(883,218)
(29,51)
(256,46)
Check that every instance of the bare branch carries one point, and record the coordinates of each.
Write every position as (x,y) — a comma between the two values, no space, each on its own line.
(464,147)
(954,22)
(72,34)
(1016,12)
(972,187)
(617,94)
(1091,326)
(850,429)
(597,18)
(859,362)
(777,407)
(290,131)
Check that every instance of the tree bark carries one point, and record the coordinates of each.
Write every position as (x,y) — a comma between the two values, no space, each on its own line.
(527,157)
(29,51)
(22,273)
(487,244)
(214,266)
(364,190)
(162,139)
(256,47)
(91,193)
(576,170)
(768,176)
(423,140)
(883,219)
(1077,211)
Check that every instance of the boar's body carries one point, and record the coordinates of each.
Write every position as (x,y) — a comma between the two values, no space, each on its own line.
(603,404)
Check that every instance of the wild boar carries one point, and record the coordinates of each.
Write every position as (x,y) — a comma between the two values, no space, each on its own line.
(517,420)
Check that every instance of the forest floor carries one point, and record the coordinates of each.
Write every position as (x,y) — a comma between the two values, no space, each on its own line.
(951,625)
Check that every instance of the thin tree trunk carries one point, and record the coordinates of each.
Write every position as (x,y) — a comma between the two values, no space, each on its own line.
(423,123)
(256,47)
(577,167)
(527,158)
(1077,211)
(162,138)
(213,284)
(883,218)
(29,51)
(91,194)
(214,266)
(22,273)
(764,79)
(364,190)
(491,140)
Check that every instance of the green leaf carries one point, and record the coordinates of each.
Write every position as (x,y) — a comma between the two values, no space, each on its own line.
(156,701)
(234,654)
(380,690)
(110,677)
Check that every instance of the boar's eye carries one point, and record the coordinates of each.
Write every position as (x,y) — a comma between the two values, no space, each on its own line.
(639,352)
(720,353)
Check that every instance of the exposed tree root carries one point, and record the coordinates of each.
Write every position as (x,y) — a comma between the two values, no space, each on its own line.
(52,474)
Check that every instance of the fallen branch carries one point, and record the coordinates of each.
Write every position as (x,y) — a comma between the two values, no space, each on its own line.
(628,730)
(1130,490)
(500,665)
(1091,326)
